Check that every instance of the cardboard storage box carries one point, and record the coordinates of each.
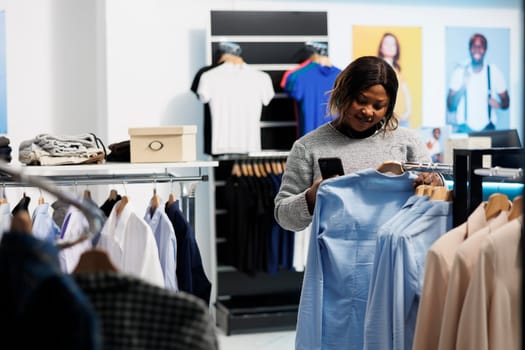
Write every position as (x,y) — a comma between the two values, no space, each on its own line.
(163,144)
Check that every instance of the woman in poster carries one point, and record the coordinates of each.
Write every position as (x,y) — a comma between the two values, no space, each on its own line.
(389,50)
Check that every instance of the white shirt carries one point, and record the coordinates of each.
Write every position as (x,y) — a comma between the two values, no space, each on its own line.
(236,94)
(476,115)
(130,244)
(75,224)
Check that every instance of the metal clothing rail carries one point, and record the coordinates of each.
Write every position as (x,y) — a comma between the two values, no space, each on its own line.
(92,213)
(468,189)
(17,177)
(429,167)
(509,173)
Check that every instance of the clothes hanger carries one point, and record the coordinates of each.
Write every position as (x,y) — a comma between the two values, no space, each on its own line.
(123,201)
(155,201)
(113,195)
(268,166)
(172,198)
(496,203)
(3,198)
(517,208)
(421,190)
(236,169)
(391,166)
(94,260)
(262,170)
(441,193)
(87,194)
(255,169)
(41,199)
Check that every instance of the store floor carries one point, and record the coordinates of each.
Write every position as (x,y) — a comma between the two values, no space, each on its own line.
(257,341)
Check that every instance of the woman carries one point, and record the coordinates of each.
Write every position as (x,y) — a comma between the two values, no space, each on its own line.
(364,134)
(389,50)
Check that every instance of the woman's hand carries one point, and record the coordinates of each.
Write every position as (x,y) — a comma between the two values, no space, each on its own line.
(432,178)
(311,195)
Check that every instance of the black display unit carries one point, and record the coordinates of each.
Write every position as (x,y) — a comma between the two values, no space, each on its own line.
(273,42)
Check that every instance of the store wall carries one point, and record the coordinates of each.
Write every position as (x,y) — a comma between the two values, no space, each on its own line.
(76,66)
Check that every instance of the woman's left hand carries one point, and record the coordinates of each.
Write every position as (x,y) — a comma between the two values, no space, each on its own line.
(431,178)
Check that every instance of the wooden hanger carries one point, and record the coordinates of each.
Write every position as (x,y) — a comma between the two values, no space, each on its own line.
(496,203)
(94,260)
(321,59)
(255,169)
(268,166)
(441,193)
(113,195)
(422,189)
(3,199)
(236,170)
(391,166)
(87,194)
(121,205)
(154,202)
(229,58)
(517,208)
(171,199)
(262,170)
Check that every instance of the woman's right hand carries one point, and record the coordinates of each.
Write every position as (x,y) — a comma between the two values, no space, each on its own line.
(311,195)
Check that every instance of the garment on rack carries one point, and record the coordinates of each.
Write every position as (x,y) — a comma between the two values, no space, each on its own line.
(5,218)
(465,258)
(137,315)
(191,277)
(42,308)
(341,252)
(109,203)
(43,225)
(236,94)
(310,89)
(130,244)
(207,126)
(491,314)
(23,204)
(398,271)
(75,225)
(60,209)
(438,265)
(166,243)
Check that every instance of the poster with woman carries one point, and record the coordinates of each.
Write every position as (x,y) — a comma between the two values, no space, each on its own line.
(401,47)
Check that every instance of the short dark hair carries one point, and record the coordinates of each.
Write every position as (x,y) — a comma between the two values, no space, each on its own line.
(475,36)
(360,75)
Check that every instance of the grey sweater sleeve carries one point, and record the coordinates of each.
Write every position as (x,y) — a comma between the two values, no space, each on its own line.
(291,209)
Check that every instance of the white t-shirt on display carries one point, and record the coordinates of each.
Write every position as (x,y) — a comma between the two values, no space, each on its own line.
(236,94)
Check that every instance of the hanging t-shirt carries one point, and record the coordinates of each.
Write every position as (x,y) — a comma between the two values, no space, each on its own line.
(236,94)
(310,88)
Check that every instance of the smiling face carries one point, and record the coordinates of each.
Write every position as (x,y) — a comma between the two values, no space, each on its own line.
(367,109)
(477,49)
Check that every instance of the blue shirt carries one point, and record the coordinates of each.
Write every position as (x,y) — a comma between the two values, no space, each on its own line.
(166,244)
(43,225)
(399,267)
(348,212)
(310,89)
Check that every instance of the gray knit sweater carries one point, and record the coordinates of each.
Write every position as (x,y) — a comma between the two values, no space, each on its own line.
(291,211)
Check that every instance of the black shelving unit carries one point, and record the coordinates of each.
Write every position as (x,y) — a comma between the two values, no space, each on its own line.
(273,42)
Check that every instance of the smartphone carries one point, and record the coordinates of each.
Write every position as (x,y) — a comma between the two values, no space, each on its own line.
(330,167)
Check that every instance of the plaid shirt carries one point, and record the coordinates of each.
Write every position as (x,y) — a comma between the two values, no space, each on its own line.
(137,315)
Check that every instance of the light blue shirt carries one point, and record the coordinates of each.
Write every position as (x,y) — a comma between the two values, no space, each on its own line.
(399,266)
(166,243)
(43,225)
(380,293)
(348,212)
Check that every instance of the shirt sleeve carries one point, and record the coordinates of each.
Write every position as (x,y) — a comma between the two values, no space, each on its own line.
(456,80)
(268,91)
(291,209)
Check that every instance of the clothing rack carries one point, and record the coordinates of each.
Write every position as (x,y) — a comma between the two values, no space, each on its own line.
(104,174)
(93,214)
(468,190)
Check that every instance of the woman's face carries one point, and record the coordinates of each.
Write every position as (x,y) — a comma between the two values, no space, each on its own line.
(368,109)
(388,46)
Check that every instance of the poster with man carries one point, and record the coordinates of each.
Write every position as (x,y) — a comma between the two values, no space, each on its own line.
(477,65)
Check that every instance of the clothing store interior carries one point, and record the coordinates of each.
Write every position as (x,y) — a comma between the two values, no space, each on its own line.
(163,173)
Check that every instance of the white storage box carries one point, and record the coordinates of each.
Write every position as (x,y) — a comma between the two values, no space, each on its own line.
(163,144)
